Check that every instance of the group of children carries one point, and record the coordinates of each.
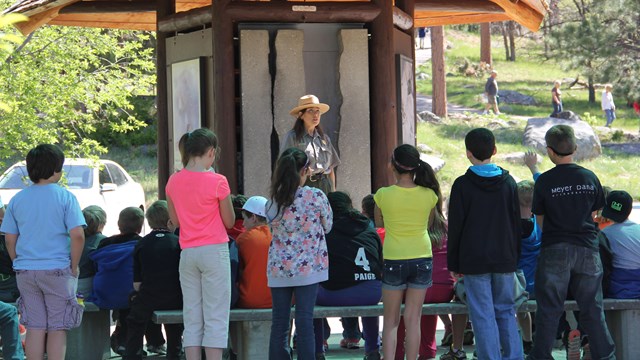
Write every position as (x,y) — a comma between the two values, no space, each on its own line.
(302,243)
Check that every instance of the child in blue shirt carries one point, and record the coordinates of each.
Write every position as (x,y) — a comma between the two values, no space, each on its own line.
(45,237)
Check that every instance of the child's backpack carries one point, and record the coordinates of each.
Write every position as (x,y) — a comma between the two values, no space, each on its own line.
(113,281)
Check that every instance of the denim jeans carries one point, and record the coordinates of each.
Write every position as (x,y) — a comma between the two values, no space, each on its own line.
(610,114)
(11,344)
(563,267)
(365,293)
(491,303)
(305,297)
(557,108)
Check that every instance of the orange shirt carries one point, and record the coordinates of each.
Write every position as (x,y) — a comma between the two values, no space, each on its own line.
(253,246)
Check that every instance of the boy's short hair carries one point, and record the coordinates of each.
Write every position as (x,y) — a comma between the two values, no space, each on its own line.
(368,206)
(43,161)
(158,215)
(131,220)
(95,217)
(249,214)
(525,192)
(561,139)
(480,143)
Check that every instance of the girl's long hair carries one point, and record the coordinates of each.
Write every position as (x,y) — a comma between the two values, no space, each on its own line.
(286,178)
(406,160)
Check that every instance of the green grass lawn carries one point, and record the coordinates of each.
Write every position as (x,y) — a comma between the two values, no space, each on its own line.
(531,75)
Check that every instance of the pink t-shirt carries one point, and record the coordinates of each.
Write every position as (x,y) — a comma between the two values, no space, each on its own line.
(196,197)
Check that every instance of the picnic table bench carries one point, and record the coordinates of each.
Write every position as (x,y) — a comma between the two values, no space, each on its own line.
(254,325)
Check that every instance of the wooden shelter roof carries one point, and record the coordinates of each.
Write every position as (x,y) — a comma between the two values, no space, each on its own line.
(141,14)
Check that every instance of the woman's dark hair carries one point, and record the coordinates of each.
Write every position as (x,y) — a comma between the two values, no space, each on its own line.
(406,160)
(43,161)
(196,143)
(299,129)
(286,178)
(341,205)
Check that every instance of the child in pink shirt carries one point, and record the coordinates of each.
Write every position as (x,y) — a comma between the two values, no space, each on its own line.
(199,203)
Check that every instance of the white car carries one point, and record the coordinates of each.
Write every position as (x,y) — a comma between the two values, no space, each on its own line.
(103,183)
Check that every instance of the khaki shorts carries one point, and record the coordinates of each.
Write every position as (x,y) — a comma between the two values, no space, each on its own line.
(491,99)
(48,299)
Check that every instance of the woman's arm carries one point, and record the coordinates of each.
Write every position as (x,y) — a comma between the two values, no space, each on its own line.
(332,177)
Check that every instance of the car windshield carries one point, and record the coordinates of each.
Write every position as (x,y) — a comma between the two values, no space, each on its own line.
(74,176)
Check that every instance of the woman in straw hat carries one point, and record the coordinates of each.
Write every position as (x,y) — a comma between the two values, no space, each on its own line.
(307,135)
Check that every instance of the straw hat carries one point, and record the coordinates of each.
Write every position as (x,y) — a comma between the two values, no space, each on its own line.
(309,101)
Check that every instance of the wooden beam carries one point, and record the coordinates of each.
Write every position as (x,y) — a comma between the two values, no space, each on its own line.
(186,20)
(485,43)
(164,8)
(113,7)
(522,13)
(384,118)
(439,82)
(37,20)
(106,24)
(402,20)
(224,102)
(480,6)
(461,19)
(303,12)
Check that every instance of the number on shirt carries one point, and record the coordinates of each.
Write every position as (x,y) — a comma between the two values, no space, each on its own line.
(361,260)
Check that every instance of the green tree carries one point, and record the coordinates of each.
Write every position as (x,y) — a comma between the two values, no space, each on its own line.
(8,40)
(600,39)
(61,83)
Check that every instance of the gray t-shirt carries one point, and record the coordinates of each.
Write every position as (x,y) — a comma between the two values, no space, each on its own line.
(625,244)
(323,157)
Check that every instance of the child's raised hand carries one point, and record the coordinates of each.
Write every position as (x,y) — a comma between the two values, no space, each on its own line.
(530,158)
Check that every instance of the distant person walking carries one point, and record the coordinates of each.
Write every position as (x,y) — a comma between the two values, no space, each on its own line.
(556,98)
(422,33)
(608,106)
(491,91)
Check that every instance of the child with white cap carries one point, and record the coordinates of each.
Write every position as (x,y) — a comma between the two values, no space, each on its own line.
(253,246)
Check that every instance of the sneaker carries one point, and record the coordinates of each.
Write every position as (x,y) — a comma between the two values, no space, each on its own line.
(586,352)
(527,346)
(475,355)
(447,339)
(573,345)
(468,337)
(350,343)
(453,355)
(485,112)
(374,355)
(120,350)
(160,349)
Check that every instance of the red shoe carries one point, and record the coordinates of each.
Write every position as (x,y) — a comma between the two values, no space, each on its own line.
(573,345)
(23,334)
(350,343)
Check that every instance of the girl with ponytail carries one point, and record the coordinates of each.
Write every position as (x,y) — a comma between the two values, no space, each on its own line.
(406,210)
(299,217)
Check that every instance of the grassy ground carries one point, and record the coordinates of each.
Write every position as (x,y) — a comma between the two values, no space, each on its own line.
(531,75)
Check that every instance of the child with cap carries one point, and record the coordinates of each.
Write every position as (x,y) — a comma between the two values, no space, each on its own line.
(624,237)
(253,245)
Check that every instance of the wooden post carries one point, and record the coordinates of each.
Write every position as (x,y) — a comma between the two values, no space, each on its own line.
(439,83)
(485,43)
(224,104)
(165,8)
(384,119)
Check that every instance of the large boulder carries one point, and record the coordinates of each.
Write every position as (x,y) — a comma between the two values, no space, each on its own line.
(514,97)
(568,115)
(588,142)
(436,163)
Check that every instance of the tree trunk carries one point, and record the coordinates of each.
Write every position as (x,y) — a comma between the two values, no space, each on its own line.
(485,43)
(506,41)
(439,84)
(512,40)
(592,90)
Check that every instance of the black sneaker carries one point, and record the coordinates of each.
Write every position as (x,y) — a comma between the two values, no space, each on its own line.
(374,355)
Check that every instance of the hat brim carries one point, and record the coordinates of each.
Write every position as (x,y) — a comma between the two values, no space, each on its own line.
(323,108)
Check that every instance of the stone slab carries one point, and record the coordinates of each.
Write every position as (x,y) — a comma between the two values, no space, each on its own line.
(290,79)
(257,114)
(354,136)
(589,146)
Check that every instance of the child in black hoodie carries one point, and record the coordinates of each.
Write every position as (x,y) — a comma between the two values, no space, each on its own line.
(484,244)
